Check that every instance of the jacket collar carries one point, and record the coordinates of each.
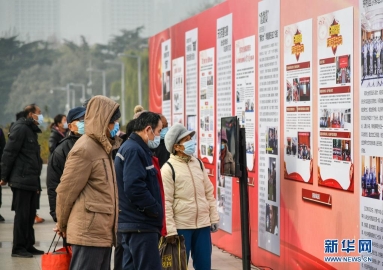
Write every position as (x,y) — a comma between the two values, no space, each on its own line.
(135,137)
(29,122)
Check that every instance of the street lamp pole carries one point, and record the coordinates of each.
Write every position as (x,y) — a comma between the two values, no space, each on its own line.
(82,88)
(122,87)
(90,70)
(123,92)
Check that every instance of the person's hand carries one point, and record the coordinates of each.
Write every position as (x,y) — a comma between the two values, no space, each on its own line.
(214,227)
(60,233)
(171,239)
(3,182)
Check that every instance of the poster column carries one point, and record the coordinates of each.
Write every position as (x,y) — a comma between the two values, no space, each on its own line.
(206,105)
(335,99)
(371,135)
(224,108)
(298,129)
(191,78)
(166,79)
(269,125)
(245,93)
(178,90)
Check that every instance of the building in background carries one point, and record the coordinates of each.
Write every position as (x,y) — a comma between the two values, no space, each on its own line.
(30,20)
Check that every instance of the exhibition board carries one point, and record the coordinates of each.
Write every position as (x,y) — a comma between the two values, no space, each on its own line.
(305,79)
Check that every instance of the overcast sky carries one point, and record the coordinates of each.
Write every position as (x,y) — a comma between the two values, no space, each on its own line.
(81,17)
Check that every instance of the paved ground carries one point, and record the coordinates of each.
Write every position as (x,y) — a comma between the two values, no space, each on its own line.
(44,236)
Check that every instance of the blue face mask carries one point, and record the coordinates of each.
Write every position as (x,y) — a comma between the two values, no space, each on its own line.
(153,144)
(163,132)
(114,131)
(80,127)
(189,147)
(222,146)
(40,119)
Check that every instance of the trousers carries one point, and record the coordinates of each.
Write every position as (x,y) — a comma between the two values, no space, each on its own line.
(24,205)
(90,258)
(198,242)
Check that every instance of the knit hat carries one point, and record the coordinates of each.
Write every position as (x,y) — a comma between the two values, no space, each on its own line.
(176,133)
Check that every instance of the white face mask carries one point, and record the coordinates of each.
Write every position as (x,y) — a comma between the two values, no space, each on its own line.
(40,118)
(65,125)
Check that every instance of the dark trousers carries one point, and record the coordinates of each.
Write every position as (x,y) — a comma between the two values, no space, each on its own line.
(118,253)
(0,197)
(24,205)
(90,258)
(198,241)
(141,251)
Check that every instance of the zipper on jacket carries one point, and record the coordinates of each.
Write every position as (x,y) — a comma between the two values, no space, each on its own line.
(106,172)
(195,195)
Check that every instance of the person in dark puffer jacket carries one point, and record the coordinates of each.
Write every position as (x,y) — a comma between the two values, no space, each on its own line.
(58,157)
(21,168)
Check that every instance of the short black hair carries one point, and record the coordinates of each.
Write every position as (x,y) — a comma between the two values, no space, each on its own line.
(58,118)
(147,119)
(130,127)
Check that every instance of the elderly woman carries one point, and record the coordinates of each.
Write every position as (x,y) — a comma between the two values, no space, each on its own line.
(190,206)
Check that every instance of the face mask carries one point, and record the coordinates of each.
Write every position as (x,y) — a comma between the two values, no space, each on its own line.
(65,125)
(163,132)
(40,119)
(81,127)
(189,147)
(155,143)
(114,131)
(222,146)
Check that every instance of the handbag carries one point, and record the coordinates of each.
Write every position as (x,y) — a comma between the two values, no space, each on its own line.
(173,255)
(57,260)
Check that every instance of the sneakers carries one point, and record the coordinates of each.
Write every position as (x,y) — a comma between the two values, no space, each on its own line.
(22,254)
(35,251)
(1,218)
(39,219)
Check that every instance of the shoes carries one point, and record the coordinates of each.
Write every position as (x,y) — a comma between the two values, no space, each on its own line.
(22,254)
(39,219)
(35,251)
(1,218)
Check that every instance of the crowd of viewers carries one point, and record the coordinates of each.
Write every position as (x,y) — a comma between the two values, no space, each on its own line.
(110,188)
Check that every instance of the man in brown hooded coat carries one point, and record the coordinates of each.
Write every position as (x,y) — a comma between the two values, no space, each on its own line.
(87,202)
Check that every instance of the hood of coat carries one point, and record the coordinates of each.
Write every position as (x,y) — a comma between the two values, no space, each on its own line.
(99,111)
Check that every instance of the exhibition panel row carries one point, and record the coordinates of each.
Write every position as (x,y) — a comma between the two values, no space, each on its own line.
(305,80)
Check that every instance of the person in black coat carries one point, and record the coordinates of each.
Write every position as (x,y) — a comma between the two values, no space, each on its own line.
(58,157)
(160,152)
(58,131)
(2,145)
(21,168)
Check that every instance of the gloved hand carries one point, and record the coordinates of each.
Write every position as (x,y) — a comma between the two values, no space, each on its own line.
(171,239)
(214,227)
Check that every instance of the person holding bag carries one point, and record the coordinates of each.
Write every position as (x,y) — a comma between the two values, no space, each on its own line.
(190,206)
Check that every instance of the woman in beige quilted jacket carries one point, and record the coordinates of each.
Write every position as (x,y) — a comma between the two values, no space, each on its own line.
(190,206)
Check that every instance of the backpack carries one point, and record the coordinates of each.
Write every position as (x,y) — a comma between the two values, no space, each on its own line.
(173,172)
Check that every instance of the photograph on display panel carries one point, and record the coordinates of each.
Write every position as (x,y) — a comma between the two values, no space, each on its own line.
(372,48)
(371,177)
(166,85)
(298,89)
(335,118)
(272,180)
(272,140)
(272,219)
